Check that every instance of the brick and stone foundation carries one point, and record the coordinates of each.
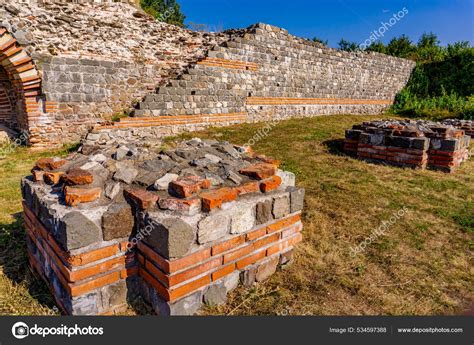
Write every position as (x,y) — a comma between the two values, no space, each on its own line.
(179,228)
(466,125)
(414,144)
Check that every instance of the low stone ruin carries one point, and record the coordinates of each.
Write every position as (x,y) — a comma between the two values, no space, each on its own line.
(466,125)
(179,227)
(415,144)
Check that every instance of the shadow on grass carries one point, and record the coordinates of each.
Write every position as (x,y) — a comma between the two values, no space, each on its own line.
(14,260)
(335,146)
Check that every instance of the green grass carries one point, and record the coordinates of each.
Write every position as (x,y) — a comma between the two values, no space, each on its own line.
(422,266)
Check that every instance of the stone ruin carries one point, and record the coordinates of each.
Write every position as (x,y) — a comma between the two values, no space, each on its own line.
(179,227)
(415,144)
(70,67)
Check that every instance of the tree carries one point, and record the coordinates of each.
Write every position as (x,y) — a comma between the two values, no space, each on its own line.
(347,45)
(378,47)
(401,47)
(321,41)
(428,40)
(167,11)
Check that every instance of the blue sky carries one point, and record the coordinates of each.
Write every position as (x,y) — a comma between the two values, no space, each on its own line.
(451,20)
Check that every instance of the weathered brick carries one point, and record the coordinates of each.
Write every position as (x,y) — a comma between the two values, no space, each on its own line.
(214,199)
(142,198)
(73,196)
(188,186)
(259,171)
(78,177)
(270,184)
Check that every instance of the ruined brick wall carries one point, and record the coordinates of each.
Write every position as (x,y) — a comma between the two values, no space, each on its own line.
(94,60)
(266,74)
(7,101)
(89,61)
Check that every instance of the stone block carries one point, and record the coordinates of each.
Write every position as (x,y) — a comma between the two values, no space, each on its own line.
(171,238)
(213,227)
(266,269)
(281,206)
(215,294)
(296,198)
(117,222)
(75,231)
(264,211)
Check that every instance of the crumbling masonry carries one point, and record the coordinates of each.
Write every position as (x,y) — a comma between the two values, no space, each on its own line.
(67,68)
(178,228)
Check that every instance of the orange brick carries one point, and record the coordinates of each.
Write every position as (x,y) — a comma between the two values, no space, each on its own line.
(215,198)
(156,273)
(76,177)
(94,255)
(190,287)
(141,259)
(150,254)
(283,223)
(222,272)
(190,260)
(278,248)
(50,163)
(128,272)
(270,184)
(103,267)
(250,260)
(143,198)
(266,241)
(269,160)
(250,187)
(74,196)
(259,171)
(256,234)
(162,291)
(52,178)
(194,272)
(81,289)
(228,245)
(186,187)
(236,254)
(293,230)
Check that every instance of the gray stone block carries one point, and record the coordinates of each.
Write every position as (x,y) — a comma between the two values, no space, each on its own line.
(264,212)
(296,198)
(75,231)
(172,237)
(213,227)
(281,206)
(215,294)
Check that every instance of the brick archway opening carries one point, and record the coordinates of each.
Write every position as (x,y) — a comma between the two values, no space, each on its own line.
(21,97)
(8,102)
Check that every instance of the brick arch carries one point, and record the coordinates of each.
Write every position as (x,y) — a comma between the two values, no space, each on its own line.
(21,84)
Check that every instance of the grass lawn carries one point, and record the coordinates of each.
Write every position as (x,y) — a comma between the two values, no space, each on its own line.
(421,266)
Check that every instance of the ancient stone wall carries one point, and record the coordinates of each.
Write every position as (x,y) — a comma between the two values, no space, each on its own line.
(95,59)
(268,73)
(88,62)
